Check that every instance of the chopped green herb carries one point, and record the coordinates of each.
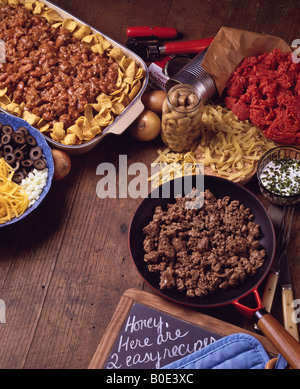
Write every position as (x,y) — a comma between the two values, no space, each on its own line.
(282,177)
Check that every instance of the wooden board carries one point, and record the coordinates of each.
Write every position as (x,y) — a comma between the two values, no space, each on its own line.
(211,327)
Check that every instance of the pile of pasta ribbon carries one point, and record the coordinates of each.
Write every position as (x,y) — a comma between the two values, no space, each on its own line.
(228,147)
(13,198)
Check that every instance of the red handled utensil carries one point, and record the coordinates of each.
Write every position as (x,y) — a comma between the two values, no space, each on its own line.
(147,31)
(150,49)
(194,46)
(282,339)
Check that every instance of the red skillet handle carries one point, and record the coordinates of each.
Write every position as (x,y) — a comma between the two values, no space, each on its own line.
(246,311)
(285,343)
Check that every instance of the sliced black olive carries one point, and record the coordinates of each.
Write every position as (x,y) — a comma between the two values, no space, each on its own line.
(27,163)
(22,130)
(7,149)
(19,138)
(39,164)
(5,139)
(31,140)
(7,130)
(25,172)
(35,153)
(19,154)
(16,165)
(24,147)
(10,158)
(18,177)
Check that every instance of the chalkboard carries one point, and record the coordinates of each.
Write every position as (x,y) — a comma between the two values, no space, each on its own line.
(148,332)
(150,339)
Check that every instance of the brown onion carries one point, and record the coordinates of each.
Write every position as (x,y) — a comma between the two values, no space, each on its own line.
(62,164)
(146,127)
(153,100)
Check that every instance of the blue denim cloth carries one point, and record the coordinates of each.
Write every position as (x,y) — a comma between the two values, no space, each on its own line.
(237,351)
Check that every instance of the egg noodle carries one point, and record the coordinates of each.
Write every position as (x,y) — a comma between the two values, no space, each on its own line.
(228,148)
(13,198)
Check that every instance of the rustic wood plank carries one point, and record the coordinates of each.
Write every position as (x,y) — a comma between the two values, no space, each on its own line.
(88,265)
(29,259)
(65,267)
(111,332)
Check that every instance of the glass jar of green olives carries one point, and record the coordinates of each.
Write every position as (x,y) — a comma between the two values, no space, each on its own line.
(181,117)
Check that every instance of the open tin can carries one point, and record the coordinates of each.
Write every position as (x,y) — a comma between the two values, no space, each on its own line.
(194,74)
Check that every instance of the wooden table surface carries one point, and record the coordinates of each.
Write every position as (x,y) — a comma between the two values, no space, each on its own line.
(65,267)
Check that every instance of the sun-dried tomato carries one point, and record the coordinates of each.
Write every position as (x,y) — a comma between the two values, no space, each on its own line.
(266,90)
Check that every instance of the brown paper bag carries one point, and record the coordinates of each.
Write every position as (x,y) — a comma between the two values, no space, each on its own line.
(230,46)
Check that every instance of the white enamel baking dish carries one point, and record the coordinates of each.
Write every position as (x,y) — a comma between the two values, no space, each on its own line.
(128,115)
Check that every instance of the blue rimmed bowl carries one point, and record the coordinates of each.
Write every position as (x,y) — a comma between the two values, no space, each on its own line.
(15,123)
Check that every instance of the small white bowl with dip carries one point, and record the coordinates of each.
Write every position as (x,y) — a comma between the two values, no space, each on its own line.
(278,174)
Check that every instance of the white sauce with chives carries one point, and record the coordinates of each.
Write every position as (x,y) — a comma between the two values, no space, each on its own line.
(282,177)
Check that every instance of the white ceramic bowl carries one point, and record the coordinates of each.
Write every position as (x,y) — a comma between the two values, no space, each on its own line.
(277,153)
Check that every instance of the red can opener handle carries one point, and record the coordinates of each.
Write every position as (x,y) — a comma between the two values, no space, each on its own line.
(159,32)
(195,46)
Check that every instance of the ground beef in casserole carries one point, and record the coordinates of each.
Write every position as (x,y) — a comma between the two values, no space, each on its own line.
(49,70)
(200,250)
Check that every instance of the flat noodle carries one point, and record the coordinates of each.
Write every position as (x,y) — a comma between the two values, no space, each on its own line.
(228,148)
(173,165)
(128,83)
(13,198)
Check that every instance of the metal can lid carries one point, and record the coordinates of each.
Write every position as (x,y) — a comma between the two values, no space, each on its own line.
(175,64)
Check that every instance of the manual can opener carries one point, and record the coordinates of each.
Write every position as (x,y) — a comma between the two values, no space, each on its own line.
(150,49)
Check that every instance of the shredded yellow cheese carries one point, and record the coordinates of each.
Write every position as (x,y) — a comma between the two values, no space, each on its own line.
(13,198)
(228,148)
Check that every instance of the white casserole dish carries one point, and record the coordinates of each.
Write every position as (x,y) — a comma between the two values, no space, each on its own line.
(131,112)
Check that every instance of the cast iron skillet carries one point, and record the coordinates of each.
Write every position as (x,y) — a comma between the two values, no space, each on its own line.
(220,187)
